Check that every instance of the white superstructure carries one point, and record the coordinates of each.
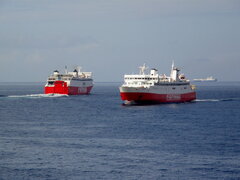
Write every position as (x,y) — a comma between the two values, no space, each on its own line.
(146,80)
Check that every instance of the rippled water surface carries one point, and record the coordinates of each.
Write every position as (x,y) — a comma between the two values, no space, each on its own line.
(97,137)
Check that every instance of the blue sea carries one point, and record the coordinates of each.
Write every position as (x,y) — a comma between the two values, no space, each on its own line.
(97,137)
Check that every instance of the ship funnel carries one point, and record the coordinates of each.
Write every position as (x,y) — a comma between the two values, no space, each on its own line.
(154,72)
(56,72)
(75,73)
(174,73)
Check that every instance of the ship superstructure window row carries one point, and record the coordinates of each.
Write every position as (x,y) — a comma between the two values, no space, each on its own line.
(141,78)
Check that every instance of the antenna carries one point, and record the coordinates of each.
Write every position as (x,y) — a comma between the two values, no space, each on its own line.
(172,64)
(79,68)
(66,69)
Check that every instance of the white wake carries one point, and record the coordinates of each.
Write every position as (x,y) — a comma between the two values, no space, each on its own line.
(217,100)
(38,96)
(207,100)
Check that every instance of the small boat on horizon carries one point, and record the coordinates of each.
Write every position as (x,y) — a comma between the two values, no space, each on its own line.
(208,79)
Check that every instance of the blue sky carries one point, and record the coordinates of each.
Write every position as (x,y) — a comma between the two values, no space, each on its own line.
(114,37)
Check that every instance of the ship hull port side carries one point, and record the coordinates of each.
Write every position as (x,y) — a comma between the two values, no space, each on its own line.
(138,96)
(61,87)
(155,88)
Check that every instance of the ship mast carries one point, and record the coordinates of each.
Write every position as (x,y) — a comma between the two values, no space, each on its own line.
(66,70)
(142,69)
(174,73)
(79,68)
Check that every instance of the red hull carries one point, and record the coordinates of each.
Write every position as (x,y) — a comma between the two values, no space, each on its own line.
(161,98)
(61,87)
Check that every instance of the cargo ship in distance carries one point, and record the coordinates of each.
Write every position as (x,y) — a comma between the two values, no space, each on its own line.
(155,88)
(208,79)
(69,83)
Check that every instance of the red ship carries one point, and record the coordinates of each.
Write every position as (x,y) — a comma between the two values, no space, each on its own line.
(152,87)
(69,83)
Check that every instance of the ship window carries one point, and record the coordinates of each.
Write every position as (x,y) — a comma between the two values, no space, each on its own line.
(173,88)
(50,82)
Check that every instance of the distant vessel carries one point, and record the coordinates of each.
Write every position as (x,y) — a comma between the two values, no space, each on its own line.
(208,79)
(70,83)
(152,87)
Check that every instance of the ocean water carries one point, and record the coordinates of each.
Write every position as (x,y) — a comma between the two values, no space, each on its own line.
(97,137)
